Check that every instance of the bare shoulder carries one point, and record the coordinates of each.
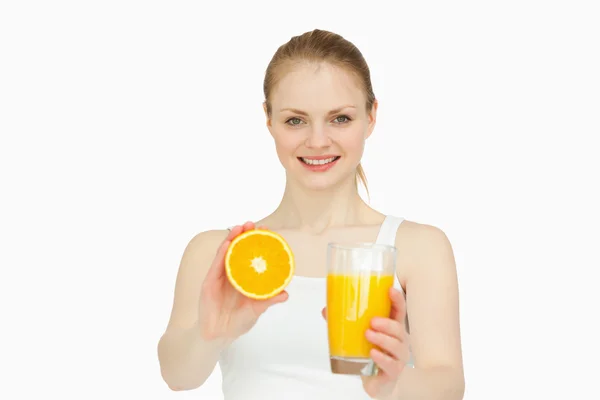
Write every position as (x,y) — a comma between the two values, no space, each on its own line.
(204,244)
(423,246)
(195,263)
(431,284)
(422,233)
(199,253)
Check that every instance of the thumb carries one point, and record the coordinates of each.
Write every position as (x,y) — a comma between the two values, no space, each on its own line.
(217,268)
(324,312)
(263,305)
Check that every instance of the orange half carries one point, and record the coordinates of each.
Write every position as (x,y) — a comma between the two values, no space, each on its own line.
(259,263)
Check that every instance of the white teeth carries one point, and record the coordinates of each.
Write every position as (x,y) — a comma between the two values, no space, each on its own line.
(318,162)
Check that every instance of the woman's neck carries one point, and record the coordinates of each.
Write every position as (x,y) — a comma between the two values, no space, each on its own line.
(317,210)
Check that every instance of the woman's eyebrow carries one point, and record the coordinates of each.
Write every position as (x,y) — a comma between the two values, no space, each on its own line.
(300,112)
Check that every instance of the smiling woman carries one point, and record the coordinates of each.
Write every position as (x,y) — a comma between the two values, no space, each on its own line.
(320,110)
(332,113)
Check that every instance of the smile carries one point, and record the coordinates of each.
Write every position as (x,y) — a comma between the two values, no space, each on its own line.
(324,161)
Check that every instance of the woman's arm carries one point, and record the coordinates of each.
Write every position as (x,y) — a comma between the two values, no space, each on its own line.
(432,303)
(186,360)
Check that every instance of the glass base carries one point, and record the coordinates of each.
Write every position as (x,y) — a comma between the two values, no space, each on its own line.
(353,366)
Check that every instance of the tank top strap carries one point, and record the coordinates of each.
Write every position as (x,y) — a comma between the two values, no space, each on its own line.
(387,236)
(388,229)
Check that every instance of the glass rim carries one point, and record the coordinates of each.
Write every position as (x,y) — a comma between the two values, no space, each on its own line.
(361,246)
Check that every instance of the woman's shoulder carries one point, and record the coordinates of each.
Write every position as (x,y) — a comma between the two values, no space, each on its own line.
(209,236)
(206,242)
(420,231)
(421,237)
(423,245)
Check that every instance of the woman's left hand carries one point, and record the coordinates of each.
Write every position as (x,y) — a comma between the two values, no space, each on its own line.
(390,337)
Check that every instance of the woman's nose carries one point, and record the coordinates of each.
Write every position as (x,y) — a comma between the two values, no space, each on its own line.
(318,138)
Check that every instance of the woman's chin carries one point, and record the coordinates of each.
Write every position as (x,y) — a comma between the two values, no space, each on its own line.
(321,183)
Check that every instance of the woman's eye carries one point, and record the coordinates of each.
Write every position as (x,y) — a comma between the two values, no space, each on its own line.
(294,121)
(342,119)
(347,119)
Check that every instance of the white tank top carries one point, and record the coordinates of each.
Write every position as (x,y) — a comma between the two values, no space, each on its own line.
(286,354)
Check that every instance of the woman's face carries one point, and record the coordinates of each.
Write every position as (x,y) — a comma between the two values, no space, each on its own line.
(319,123)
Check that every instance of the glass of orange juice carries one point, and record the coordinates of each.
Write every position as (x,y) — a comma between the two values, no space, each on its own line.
(359,278)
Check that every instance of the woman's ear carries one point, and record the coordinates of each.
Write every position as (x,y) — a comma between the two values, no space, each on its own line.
(268,118)
(372,118)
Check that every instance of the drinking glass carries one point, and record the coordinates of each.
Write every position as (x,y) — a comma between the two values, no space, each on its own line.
(359,278)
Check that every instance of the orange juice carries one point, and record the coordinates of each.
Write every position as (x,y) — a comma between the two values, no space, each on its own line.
(352,301)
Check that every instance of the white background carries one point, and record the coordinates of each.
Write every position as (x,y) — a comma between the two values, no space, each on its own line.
(129,126)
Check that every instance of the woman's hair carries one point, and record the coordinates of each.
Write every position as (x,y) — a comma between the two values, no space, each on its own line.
(320,46)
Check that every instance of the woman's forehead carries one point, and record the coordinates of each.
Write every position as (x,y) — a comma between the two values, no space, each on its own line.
(312,87)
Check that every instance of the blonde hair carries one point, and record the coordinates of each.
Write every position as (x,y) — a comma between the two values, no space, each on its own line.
(321,46)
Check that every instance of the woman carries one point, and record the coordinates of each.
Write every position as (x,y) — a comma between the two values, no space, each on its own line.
(320,109)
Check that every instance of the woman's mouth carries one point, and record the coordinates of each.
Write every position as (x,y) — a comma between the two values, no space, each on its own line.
(319,164)
(318,161)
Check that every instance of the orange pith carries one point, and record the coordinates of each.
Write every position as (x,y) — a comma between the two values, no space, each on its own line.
(259,263)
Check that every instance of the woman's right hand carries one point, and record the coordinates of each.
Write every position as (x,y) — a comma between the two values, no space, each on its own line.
(225,313)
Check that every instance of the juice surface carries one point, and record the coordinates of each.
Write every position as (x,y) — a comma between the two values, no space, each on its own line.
(352,301)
